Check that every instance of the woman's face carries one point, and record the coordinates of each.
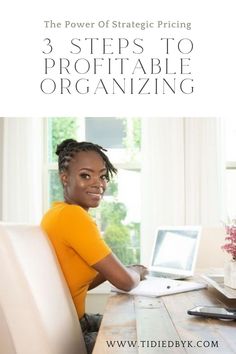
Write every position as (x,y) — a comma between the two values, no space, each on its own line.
(85,181)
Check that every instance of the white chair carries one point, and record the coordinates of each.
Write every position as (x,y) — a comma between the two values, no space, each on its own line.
(37,314)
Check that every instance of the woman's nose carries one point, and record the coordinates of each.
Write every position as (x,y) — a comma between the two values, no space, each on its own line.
(98,182)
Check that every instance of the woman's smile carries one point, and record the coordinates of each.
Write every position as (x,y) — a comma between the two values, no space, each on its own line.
(96,195)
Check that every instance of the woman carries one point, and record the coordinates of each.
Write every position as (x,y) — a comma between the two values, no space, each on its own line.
(85,259)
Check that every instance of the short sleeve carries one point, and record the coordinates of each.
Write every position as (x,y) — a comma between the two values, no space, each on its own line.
(81,233)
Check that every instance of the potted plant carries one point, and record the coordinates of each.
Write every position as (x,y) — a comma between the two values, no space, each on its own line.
(230,248)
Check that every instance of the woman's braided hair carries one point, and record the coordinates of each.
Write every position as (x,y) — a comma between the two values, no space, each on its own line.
(69,147)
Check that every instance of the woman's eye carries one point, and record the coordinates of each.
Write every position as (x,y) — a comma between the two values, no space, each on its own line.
(104,177)
(84,175)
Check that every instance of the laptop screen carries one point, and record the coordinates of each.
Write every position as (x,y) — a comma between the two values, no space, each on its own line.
(175,249)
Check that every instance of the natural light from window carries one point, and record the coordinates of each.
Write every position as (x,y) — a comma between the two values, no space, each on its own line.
(118,216)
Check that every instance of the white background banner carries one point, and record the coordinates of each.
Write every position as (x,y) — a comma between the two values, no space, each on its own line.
(210,62)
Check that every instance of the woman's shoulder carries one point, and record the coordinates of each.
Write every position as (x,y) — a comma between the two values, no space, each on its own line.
(64,214)
(65,208)
(67,221)
(72,211)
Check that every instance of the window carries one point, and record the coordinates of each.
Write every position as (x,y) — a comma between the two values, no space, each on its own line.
(118,216)
(110,133)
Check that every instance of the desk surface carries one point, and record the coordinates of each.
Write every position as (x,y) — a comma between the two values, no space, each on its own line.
(161,325)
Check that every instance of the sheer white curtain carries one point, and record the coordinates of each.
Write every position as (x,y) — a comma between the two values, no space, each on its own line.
(1,162)
(181,174)
(22,170)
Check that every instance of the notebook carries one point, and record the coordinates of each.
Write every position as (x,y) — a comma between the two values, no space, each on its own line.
(154,287)
(174,251)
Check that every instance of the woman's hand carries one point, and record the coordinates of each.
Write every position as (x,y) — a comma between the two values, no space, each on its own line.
(140,269)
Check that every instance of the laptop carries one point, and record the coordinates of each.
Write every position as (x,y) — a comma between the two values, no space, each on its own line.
(174,251)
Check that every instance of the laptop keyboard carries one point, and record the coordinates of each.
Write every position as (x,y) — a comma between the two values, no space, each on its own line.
(164,275)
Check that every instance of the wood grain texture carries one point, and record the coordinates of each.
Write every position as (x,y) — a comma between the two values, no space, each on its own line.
(198,329)
(154,327)
(162,325)
(118,324)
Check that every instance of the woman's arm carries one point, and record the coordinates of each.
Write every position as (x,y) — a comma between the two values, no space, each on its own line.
(124,278)
(99,279)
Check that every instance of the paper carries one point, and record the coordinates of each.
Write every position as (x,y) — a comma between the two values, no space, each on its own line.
(155,286)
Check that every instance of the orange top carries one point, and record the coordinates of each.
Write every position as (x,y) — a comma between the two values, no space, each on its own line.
(78,245)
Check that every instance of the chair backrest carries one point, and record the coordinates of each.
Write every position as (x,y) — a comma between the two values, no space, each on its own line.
(37,314)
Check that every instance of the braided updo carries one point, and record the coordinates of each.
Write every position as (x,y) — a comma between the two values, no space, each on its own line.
(69,147)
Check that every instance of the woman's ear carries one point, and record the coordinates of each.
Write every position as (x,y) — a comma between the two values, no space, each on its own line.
(64,178)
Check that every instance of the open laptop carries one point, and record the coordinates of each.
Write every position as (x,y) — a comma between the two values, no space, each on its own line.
(175,251)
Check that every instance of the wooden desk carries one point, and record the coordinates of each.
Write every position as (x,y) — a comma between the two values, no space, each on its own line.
(158,325)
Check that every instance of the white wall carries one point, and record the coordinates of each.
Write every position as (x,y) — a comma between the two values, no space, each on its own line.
(210,254)
(96,303)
